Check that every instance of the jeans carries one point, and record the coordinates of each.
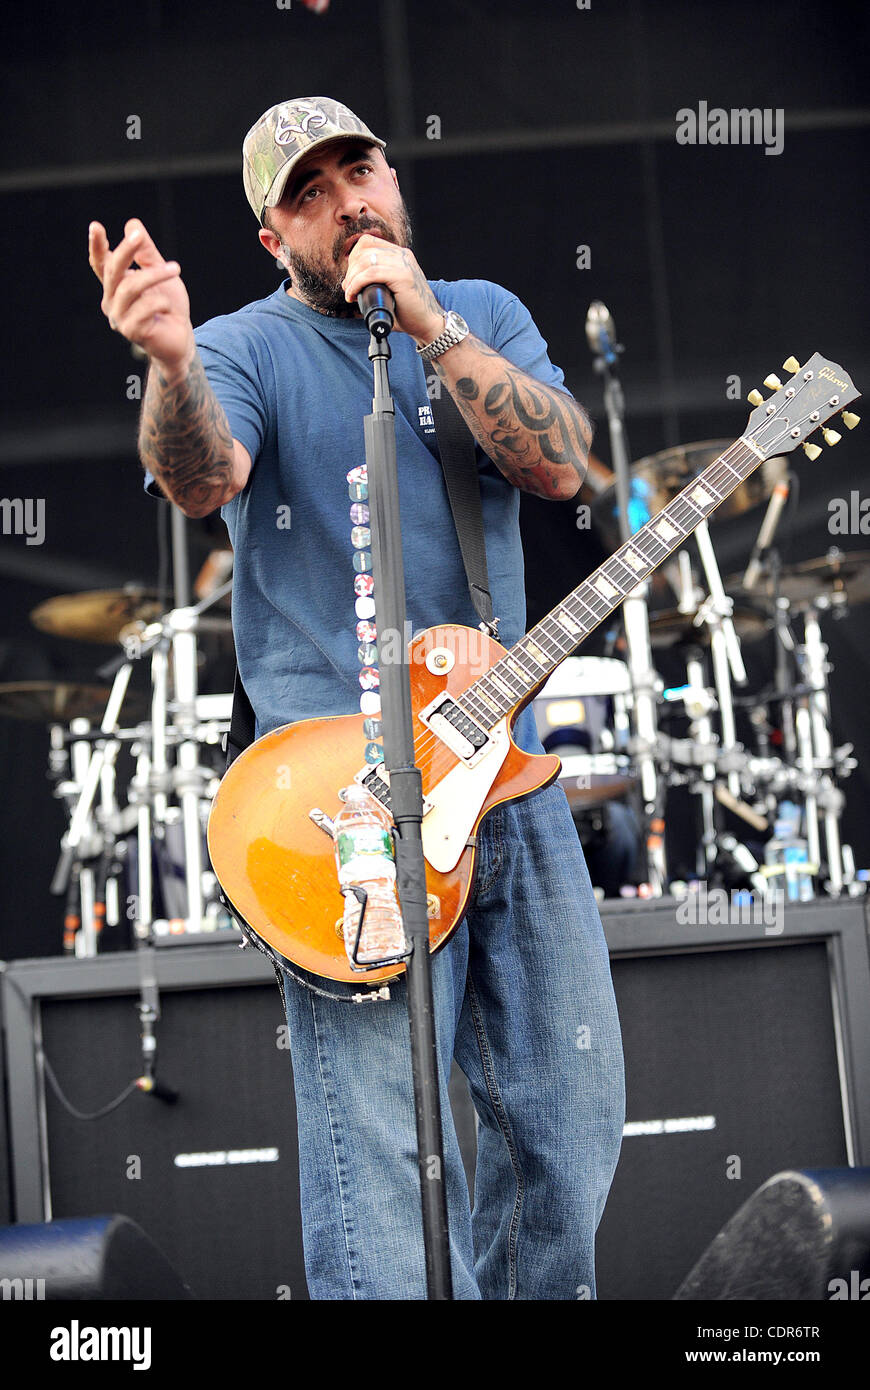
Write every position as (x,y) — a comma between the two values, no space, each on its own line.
(524,1001)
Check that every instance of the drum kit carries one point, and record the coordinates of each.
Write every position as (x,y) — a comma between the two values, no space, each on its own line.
(760,766)
(134,855)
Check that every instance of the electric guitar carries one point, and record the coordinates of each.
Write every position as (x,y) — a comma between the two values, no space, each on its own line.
(277,866)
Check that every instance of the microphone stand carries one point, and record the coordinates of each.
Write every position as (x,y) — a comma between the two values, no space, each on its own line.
(636,619)
(406,796)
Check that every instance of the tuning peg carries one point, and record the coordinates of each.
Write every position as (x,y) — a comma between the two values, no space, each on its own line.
(831,437)
(850,419)
(812,452)
(772,382)
(791,364)
(755,398)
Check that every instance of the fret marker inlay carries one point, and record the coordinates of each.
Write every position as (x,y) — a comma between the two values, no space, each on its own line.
(605,587)
(664,529)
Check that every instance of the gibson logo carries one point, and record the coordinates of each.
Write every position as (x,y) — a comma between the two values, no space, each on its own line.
(827,375)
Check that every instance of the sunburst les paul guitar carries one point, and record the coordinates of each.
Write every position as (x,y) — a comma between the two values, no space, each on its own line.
(276,865)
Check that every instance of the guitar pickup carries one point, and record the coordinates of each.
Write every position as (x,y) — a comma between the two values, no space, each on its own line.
(462,735)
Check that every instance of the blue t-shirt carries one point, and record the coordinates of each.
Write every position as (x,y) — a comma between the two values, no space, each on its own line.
(296,385)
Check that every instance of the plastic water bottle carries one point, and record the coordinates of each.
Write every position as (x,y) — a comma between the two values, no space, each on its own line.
(787,851)
(365,858)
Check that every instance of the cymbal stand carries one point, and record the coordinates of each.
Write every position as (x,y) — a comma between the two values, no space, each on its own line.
(724,648)
(173,721)
(635,613)
(698,704)
(84,840)
(818,753)
(784,657)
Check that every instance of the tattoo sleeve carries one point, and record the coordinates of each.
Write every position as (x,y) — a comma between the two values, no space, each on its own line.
(185,440)
(536,435)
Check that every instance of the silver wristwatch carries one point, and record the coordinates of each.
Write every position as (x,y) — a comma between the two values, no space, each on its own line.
(455,329)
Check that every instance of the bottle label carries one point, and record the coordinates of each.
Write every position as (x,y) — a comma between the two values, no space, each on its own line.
(365,852)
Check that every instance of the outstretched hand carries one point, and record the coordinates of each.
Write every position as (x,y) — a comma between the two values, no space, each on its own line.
(144,296)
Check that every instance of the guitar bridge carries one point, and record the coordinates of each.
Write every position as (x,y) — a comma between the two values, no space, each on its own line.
(377,781)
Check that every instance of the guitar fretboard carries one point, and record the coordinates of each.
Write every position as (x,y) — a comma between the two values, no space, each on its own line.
(523,670)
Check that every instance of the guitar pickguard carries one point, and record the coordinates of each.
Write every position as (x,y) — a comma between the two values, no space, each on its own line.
(456,803)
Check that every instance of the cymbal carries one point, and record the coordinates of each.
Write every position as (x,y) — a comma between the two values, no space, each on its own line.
(673,628)
(59,702)
(98,615)
(656,480)
(841,577)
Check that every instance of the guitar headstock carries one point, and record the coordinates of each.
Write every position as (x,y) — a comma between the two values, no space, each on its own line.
(800,406)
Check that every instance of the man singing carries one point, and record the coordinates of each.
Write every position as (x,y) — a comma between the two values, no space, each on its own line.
(259,411)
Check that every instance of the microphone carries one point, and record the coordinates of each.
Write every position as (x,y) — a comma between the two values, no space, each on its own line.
(777,501)
(601,333)
(378,307)
(152,1087)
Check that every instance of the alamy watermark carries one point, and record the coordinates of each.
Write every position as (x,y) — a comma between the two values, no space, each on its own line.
(849,516)
(740,125)
(23,1289)
(23,516)
(713,907)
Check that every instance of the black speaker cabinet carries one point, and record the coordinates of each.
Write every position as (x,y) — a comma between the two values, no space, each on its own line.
(213,1178)
(746,1054)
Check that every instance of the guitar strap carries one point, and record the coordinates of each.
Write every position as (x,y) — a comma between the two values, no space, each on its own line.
(459,464)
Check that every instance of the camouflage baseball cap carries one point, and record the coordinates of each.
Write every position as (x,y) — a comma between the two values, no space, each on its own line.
(286,132)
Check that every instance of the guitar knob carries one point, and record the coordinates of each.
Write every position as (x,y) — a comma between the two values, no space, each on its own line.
(755,398)
(850,419)
(791,364)
(812,452)
(831,437)
(773,382)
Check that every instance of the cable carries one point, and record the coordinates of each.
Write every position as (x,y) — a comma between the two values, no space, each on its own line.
(80,1114)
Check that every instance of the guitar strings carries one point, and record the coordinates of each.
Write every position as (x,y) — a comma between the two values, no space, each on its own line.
(427,740)
(675,510)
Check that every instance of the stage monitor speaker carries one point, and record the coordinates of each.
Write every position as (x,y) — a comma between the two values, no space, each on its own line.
(803,1236)
(745,1055)
(102,1259)
(5,1164)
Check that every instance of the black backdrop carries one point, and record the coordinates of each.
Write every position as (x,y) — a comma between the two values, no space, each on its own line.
(557,130)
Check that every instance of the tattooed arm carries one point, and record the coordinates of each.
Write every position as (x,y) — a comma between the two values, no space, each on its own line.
(185,440)
(536,435)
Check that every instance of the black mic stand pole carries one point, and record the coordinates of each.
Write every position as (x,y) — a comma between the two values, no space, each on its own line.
(406,796)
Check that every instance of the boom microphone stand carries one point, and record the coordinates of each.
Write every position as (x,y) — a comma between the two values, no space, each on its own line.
(601,336)
(406,795)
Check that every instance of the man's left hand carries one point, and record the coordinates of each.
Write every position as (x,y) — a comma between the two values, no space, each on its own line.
(373,261)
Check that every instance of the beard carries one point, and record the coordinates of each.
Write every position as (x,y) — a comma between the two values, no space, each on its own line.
(317,279)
